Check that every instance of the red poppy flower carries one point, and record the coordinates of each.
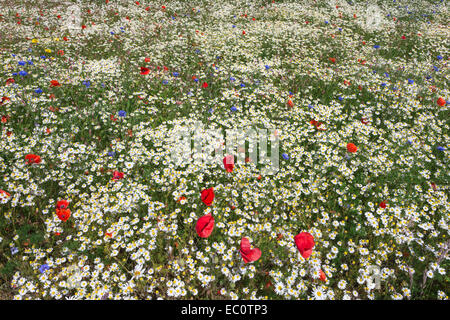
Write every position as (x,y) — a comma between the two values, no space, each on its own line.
(305,244)
(205,85)
(433,185)
(4,99)
(403,37)
(147,59)
(117,175)
(205,226)
(383,204)
(145,70)
(4,193)
(63,214)
(62,204)
(290,103)
(351,147)
(228,163)
(54,83)
(323,277)
(10,80)
(247,253)
(441,102)
(243,32)
(32,158)
(207,196)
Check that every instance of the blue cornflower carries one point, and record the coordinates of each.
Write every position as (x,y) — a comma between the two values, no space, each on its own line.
(43,57)
(233,108)
(410,81)
(43,268)
(14,250)
(386,75)
(285,156)
(326,22)
(439,57)
(23,73)
(376,46)
(176,74)
(112,33)
(111,153)
(310,106)
(267,67)
(232,79)
(234,26)
(196,79)
(340,98)
(122,113)
(435,68)
(211,110)
(30,62)
(38,90)
(22,63)
(87,83)
(441,148)
(165,82)
(383,84)
(14,73)
(242,85)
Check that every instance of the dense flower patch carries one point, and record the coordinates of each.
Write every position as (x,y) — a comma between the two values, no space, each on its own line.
(94,205)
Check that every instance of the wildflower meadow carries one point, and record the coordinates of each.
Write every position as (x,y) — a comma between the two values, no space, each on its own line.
(224,150)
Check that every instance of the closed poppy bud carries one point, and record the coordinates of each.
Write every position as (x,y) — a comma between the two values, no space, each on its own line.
(247,253)
(305,244)
(205,85)
(351,148)
(205,226)
(207,196)
(333,60)
(441,102)
(228,163)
